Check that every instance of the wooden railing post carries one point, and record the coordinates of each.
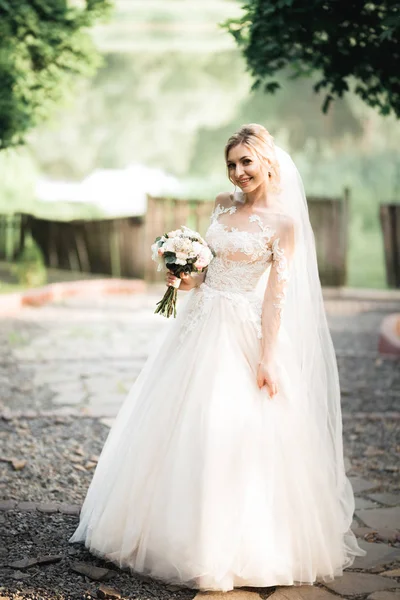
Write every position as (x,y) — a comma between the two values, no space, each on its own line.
(390,223)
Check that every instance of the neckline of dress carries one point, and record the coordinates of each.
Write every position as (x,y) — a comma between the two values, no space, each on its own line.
(228,229)
(253,217)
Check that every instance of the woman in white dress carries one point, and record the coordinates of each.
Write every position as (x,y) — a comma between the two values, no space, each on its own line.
(224,467)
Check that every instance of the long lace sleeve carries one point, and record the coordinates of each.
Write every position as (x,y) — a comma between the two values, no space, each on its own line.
(275,293)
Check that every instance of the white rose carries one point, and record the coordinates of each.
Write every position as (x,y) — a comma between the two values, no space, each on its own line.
(169,246)
(197,247)
(174,233)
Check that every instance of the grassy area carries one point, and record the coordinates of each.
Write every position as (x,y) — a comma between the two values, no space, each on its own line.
(10,288)
(366,266)
(9,283)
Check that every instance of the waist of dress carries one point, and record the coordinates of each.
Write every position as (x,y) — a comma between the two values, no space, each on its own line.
(228,292)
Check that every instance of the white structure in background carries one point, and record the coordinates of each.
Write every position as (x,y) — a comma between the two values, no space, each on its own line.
(114,191)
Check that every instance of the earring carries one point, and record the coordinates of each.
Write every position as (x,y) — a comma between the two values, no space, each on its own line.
(269,173)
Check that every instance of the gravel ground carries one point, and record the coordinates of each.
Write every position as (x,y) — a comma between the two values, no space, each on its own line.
(35,534)
(61,455)
(373,445)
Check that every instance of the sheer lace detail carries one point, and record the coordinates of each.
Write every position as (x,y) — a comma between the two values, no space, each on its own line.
(253,244)
(280,264)
(275,293)
(249,307)
(233,275)
(219,210)
(241,258)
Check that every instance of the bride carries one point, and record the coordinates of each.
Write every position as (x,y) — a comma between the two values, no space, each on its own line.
(224,467)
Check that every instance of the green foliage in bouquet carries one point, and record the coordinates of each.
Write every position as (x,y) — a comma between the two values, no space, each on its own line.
(44,46)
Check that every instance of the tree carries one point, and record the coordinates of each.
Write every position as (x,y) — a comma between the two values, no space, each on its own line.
(44,46)
(343,41)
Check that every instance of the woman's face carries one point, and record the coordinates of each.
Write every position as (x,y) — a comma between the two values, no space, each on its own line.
(244,168)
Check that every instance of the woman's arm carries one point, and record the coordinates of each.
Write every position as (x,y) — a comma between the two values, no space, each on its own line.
(273,303)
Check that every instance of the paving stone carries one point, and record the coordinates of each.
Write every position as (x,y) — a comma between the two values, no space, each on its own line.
(20,576)
(48,559)
(388,499)
(70,509)
(95,573)
(392,573)
(364,503)
(7,504)
(69,398)
(231,595)
(377,555)
(364,532)
(24,563)
(107,592)
(26,506)
(353,584)
(388,535)
(304,592)
(48,507)
(380,518)
(361,485)
(384,596)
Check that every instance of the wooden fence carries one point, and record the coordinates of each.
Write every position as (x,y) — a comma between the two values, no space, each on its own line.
(166,214)
(330,221)
(390,222)
(109,246)
(121,247)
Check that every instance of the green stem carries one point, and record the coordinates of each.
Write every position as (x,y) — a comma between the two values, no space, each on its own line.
(167,305)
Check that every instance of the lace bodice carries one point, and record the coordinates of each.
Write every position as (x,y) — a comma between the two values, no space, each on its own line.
(242,255)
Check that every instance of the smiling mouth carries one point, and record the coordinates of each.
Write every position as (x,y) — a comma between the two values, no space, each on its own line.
(245,181)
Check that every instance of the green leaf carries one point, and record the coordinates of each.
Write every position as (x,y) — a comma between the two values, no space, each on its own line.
(45,47)
(360,41)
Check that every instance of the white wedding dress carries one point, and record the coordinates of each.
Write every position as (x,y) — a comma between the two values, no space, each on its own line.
(205,481)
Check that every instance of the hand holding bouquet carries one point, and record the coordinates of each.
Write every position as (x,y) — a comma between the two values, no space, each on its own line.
(180,251)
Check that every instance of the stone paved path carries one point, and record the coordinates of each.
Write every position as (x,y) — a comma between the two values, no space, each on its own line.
(64,372)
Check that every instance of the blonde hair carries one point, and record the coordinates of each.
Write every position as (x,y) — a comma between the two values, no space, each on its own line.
(261,142)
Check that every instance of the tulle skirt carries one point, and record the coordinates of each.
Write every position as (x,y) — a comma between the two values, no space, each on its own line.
(206,482)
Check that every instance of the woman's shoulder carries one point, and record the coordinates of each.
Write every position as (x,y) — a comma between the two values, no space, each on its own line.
(224,199)
(284,229)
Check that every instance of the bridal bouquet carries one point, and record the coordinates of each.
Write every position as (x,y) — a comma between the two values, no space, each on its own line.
(180,251)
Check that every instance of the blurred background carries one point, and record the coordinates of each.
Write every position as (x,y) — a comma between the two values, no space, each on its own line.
(171,88)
